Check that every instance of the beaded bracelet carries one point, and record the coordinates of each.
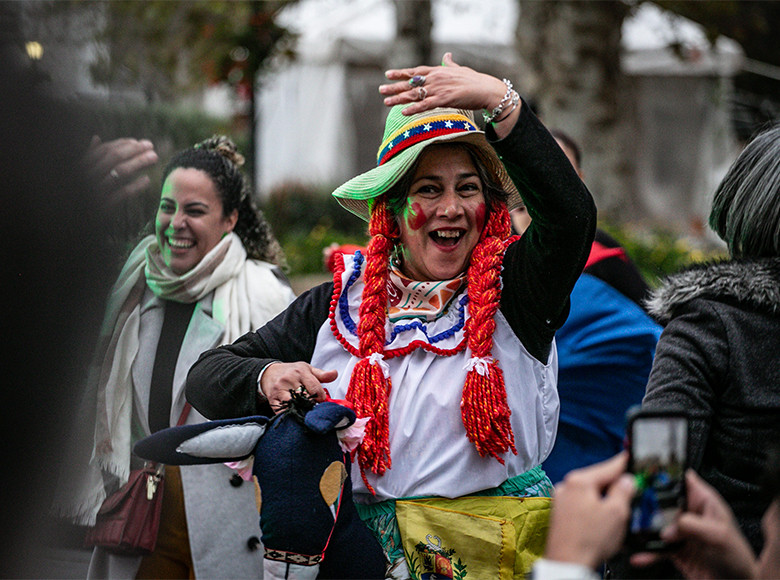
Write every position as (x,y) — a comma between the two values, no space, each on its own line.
(510,96)
(515,102)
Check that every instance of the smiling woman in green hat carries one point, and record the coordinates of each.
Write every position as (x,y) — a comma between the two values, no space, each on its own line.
(442,333)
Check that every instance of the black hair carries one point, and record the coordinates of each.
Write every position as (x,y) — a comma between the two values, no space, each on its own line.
(746,205)
(219,158)
(570,144)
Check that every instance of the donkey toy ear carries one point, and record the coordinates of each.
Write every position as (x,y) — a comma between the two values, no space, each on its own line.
(328,416)
(211,442)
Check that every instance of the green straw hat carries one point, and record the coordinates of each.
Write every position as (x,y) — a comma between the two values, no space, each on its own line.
(405,138)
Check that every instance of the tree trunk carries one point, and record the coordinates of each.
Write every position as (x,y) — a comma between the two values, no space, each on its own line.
(572,51)
(413,42)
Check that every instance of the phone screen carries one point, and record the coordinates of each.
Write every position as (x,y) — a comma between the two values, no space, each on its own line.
(658,458)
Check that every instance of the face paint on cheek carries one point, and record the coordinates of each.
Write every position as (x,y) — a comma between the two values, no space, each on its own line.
(479,216)
(415,216)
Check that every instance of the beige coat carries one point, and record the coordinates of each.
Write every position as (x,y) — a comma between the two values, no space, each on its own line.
(222,519)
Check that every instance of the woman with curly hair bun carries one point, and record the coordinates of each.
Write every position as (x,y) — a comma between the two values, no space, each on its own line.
(208,275)
(442,333)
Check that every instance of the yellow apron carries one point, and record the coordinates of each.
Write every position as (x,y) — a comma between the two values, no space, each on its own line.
(479,536)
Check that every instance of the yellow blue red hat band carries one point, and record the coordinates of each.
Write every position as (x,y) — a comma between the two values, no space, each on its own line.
(422,130)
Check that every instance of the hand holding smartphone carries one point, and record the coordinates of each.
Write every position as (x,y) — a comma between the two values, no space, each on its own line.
(658,458)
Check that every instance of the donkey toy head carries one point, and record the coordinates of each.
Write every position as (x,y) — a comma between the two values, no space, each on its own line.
(310,527)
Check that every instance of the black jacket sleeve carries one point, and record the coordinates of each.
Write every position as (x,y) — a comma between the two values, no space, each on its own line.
(222,384)
(541,268)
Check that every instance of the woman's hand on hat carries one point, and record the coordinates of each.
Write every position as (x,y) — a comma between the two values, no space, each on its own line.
(448,85)
(115,166)
(281,378)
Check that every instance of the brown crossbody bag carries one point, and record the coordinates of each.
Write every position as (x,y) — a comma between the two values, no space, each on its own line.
(129,519)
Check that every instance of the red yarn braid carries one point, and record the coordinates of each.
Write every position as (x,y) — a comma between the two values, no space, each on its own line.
(369,389)
(484,408)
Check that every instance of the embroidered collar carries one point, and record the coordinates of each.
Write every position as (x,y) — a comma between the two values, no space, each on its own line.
(419,300)
(443,334)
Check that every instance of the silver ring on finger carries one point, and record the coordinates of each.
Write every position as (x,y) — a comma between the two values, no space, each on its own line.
(421,94)
(417,80)
(114,174)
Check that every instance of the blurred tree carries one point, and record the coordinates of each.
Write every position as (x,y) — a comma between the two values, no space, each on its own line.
(755,25)
(173,47)
(171,50)
(413,43)
(572,50)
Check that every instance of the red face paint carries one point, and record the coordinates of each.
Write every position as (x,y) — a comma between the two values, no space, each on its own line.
(416,217)
(479,216)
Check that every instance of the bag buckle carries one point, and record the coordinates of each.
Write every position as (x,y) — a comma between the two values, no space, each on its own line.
(152,479)
(151,486)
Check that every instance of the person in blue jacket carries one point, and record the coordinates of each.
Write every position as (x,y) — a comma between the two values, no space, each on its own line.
(605,350)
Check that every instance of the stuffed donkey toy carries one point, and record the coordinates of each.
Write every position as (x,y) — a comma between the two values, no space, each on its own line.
(310,527)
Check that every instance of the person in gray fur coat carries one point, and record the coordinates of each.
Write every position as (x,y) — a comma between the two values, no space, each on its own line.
(719,355)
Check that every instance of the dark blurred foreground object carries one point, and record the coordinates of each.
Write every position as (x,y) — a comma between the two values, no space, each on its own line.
(55,275)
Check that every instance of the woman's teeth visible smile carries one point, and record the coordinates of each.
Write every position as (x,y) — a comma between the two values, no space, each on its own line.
(180,244)
(446,237)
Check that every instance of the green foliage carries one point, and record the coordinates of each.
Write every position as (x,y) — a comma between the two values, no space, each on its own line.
(658,253)
(297,208)
(304,251)
(166,125)
(169,47)
(413,563)
(305,221)
(459,568)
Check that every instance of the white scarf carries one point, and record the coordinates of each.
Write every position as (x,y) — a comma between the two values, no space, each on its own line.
(234,280)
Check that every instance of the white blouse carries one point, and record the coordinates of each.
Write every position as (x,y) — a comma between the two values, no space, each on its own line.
(429,450)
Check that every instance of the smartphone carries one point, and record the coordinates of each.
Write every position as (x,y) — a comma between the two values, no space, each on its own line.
(658,458)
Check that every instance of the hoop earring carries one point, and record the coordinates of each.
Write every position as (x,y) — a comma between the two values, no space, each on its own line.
(396,255)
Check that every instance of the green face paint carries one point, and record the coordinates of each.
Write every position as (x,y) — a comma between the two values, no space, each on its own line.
(168,205)
(189,221)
